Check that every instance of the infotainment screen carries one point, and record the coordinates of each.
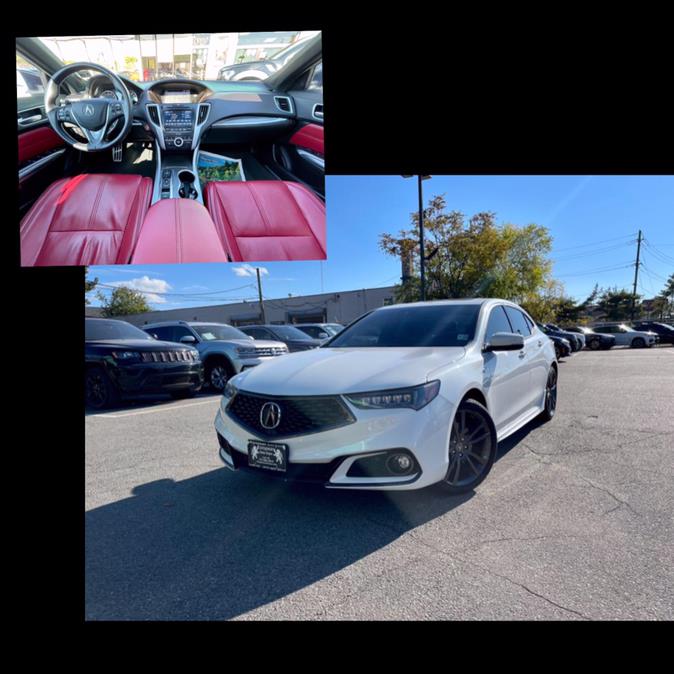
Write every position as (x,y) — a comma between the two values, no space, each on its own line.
(176,97)
(182,117)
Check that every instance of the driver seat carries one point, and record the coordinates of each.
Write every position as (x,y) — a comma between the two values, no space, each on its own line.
(86,220)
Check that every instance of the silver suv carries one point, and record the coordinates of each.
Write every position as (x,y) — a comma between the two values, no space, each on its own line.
(225,351)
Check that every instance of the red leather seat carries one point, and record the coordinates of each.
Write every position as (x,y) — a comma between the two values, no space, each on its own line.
(88,219)
(266,220)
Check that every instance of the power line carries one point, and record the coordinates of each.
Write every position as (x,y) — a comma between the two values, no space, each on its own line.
(600,270)
(123,284)
(597,243)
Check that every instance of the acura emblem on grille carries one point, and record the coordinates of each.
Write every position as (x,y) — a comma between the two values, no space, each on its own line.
(270,415)
(89,109)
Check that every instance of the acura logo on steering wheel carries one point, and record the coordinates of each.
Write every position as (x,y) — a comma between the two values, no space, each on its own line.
(89,109)
(270,415)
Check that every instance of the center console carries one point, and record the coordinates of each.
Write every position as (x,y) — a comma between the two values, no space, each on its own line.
(177,127)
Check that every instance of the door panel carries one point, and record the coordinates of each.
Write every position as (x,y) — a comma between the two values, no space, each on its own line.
(504,380)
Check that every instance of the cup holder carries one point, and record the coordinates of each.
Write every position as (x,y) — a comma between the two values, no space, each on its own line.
(187,190)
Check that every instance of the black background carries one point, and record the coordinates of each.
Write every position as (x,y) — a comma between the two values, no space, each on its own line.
(529,93)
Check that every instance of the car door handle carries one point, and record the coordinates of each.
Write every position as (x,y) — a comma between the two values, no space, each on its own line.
(25,121)
(540,342)
(522,354)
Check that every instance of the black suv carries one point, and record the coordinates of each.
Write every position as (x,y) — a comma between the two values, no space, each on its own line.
(294,339)
(664,331)
(121,361)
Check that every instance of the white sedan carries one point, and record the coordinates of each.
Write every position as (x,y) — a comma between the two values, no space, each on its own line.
(407,396)
(626,336)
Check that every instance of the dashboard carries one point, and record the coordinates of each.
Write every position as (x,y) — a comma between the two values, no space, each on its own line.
(101,87)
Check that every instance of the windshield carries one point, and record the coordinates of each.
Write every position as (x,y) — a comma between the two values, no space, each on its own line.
(199,56)
(102,329)
(442,325)
(210,333)
(288,332)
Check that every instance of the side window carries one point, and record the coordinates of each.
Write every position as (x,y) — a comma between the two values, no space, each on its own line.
(164,333)
(518,321)
(180,331)
(530,324)
(315,82)
(255,333)
(498,322)
(29,85)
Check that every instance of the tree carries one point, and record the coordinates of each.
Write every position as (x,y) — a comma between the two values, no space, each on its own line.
(616,305)
(89,285)
(123,302)
(471,258)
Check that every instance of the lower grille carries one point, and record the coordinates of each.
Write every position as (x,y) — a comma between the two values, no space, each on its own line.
(299,415)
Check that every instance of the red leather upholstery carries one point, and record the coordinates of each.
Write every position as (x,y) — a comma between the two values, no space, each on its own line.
(178,230)
(267,220)
(88,219)
(37,141)
(309,136)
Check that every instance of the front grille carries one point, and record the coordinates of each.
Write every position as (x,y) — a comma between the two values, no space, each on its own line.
(270,351)
(166,356)
(299,415)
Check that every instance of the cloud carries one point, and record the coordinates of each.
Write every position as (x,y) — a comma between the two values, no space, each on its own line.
(249,270)
(148,286)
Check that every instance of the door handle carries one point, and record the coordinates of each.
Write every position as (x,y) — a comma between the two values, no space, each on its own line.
(521,354)
(25,121)
(540,342)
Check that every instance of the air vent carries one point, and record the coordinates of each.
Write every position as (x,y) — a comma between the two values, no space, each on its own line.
(154,114)
(203,114)
(283,103)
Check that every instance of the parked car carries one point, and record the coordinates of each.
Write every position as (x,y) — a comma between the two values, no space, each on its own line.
(593,340)
(294,339)
(562,347)
(225,350)
(261,69)
(572,338)
(578,335)
(121,361)
(406,396)
(664,331)
(319,330)
(626,336)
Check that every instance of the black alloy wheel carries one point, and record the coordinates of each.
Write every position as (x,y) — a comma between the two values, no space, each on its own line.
(594,344)
(638,343)
(472,448)
(217,376)
(99,391)
(550,395)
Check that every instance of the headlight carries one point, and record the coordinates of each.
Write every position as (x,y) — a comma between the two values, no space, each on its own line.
(230,390)
(195,355)
(125,355)
(414,397)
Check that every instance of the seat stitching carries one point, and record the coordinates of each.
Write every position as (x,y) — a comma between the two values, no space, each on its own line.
(94,210)
(229,223)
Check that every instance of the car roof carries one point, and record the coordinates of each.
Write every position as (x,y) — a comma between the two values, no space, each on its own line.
(166,323)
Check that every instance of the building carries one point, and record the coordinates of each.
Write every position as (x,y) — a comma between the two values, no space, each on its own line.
(339,307)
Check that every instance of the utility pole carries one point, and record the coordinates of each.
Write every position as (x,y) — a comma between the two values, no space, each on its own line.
(422,261)
(259,293)
(636,274)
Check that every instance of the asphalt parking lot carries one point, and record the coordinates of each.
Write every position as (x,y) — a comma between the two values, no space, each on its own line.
(575,521)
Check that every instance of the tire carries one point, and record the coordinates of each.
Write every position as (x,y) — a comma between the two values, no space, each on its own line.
(99,391)
(558,352)
(594,344)
(638,343)
(470,461)
(550,405)
(218,373)
(186,393)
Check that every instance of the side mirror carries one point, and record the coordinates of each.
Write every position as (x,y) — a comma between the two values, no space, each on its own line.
(188,339)
(504,341)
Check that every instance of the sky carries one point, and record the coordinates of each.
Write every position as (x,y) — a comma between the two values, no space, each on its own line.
(593,221)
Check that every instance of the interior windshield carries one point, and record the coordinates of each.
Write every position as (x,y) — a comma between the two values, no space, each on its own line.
(210,333)
(441,325)
(103,329)
(198,56)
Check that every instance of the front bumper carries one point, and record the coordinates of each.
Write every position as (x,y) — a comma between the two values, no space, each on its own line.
(327,457)
(157,377)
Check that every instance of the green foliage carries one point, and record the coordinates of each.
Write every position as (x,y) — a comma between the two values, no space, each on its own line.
(472,258)
(123,302)
(89,285)
(616,305)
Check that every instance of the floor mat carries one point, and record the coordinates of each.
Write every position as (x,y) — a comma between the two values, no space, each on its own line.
(135,160)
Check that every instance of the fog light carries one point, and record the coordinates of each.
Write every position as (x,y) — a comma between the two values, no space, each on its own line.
(400,464)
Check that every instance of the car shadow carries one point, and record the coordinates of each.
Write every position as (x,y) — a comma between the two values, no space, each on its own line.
(146,402)
(220,544)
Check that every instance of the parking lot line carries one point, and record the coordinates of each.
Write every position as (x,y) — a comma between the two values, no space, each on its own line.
(163,408)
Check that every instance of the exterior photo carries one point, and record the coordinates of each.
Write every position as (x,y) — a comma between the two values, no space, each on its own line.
(171,148)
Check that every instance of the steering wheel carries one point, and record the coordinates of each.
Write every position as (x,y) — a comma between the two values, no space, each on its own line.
(94,116)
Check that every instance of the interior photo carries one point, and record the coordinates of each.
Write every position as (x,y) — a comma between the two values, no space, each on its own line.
(151,149)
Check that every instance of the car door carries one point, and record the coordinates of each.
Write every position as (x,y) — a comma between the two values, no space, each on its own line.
(302,152)
(41,152)
(502,373)
(529,385)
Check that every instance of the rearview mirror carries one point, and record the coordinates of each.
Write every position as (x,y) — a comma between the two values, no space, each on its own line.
(504,341)
(188,339)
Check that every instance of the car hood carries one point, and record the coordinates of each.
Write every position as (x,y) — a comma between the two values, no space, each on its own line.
(250,343)
(329,371)
(138,344)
